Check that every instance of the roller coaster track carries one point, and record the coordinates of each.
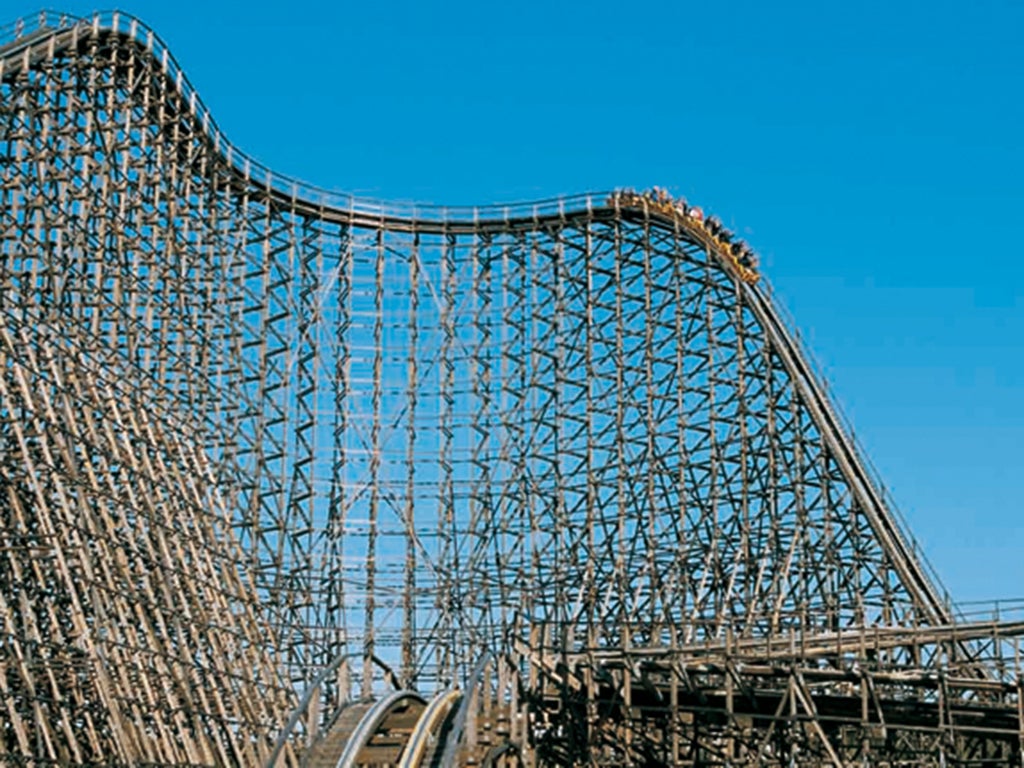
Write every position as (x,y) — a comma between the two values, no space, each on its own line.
(490,219)
(370,734)
(252,431)
(400,729)
(430,736)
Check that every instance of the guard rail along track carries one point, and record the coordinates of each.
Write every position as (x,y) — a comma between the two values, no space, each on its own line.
(292,478)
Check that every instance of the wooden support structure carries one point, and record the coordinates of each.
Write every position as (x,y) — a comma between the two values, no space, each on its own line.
(249,428)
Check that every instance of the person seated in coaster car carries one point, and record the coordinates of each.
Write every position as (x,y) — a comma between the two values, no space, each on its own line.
(748,258)
(624,197)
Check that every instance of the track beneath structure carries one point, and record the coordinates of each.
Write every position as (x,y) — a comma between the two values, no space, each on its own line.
(428,741)
(369,734)
(293,478)
(405,731)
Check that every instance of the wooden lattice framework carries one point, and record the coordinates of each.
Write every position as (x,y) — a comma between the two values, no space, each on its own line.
(249,428)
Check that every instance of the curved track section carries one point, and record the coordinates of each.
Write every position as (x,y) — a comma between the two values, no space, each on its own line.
(65,33)
(469,702)
(430,735)
(370,733)
(248,427)
(327,751)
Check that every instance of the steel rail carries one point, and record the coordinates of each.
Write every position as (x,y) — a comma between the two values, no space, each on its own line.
(433,717)
(371,721)
(473,685)
(300,709)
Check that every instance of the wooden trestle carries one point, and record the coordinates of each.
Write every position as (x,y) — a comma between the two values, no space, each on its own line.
(291,478)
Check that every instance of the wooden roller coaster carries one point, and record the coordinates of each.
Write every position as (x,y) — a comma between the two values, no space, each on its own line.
(290,478)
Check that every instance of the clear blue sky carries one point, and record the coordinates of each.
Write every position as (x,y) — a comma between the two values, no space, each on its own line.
(872,152)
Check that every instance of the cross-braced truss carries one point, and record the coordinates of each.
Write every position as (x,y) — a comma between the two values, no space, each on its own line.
(256,439)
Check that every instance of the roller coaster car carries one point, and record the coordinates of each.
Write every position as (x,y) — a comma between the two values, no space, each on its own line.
(659,201)
(625,198)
